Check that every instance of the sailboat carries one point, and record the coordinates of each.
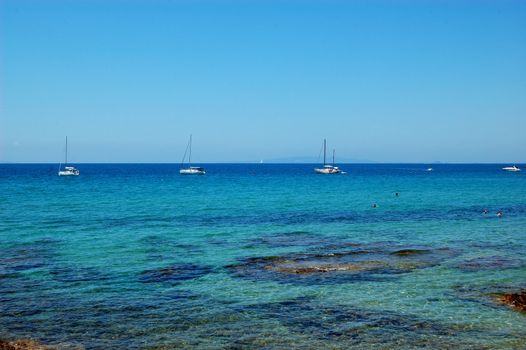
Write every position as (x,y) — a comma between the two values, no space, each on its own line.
(327,168)
(68,170)
(190,170)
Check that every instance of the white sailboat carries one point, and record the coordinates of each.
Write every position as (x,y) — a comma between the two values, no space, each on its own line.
(190,170)
(511,168)
(68,170)
(327,168)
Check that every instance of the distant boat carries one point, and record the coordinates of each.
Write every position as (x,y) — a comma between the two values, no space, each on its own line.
(429,169)
(190,170)
(327,168)
(511,168)
(68,170)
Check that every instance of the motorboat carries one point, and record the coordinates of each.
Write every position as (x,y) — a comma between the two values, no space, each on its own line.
(511,168)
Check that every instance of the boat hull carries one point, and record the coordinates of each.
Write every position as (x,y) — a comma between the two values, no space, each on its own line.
(511,168)
(191,172)
(68,173)
(327,171)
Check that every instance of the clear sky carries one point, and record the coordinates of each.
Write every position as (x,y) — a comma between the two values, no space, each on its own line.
(387,81)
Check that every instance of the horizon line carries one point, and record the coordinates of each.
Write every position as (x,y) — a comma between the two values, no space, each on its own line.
(272,163)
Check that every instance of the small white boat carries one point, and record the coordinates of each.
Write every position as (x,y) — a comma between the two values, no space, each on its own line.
(429,169)
(190,170)
(193,170)
(68,170)
(327,168)
(511,168)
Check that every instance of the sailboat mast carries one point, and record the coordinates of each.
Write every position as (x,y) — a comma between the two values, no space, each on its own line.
(333,151)
(324,150)
(66,162)
(190,155)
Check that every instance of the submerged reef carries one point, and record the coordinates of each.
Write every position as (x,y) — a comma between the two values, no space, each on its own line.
(515,300)
(27,257)
(490,263)
(494,296)
(22,344)
(339,264)
(318,324)
(409,252)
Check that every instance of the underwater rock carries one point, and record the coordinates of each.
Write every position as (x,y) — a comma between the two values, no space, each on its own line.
(358,266)
(25,257)
(493,296)
(22,344)
(346,263)
(174,273)
(73,274)
(514,300)
(322,320)
(409,252)
(489,263)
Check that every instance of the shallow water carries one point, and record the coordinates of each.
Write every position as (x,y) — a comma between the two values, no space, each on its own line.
(262,256)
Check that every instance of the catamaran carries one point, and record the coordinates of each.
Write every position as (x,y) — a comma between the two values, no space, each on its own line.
(511,168)
(68,170)
(327,168)
(190,170)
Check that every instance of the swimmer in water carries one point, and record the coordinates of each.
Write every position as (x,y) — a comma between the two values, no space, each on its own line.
(375,205)
(397,194)
(485,211)
(499,213)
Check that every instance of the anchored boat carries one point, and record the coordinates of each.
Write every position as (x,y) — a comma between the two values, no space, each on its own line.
(327,168)
(190,170)
(68,170)
(511,168)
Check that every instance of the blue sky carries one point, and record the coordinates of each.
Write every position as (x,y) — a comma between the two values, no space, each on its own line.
(387,81)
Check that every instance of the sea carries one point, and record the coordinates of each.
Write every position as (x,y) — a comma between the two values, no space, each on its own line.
(263,256)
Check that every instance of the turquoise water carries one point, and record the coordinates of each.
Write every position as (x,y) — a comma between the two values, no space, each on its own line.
(262,256)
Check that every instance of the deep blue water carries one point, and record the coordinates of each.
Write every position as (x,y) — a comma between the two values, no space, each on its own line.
(251,256)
